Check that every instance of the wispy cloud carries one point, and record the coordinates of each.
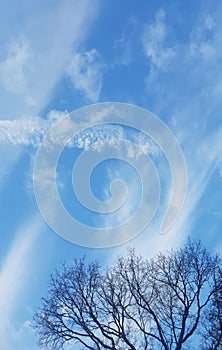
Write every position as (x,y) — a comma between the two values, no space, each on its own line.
(13,275)
(189,93)
(124,45)
(201,167)
(154,42)
(85,71)
(27,75)
(12,69)
(203,39)
(26,70)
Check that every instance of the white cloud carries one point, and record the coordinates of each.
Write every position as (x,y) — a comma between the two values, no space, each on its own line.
(26,70)
(33,59)
(14,134)
(123,51)
(31,131)
(127,197)
(85,71)
(12,69)
(201,166)
(13,275)
(123,47)
(190,92)
(154,44)
(193,68)
(28,131)
(203,40)
(202,149)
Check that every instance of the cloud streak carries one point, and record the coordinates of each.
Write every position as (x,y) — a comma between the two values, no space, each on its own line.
(188,91)
(13,274)
(27,76)
(28,131)
(26,72)
(31,131)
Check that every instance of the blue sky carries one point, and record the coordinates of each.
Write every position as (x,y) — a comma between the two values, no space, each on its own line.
(56,57)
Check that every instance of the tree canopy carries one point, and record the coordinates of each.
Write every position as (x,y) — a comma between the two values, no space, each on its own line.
(170,302)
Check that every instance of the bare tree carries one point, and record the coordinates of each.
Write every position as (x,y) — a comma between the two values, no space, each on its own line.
(136,304)
(212,332)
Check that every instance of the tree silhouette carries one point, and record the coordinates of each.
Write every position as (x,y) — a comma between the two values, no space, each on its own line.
(213,320)
(137,304)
